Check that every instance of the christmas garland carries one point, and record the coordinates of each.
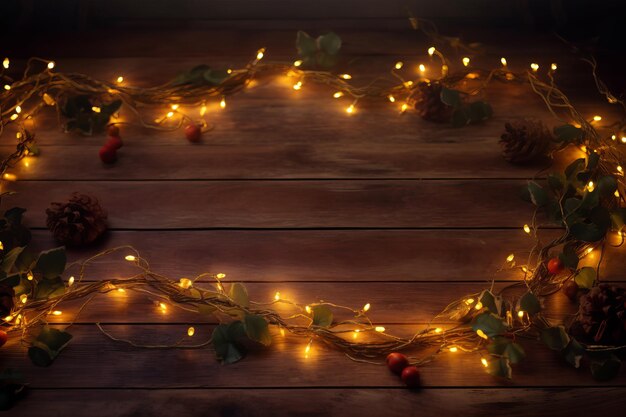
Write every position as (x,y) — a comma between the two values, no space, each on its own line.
(585,200)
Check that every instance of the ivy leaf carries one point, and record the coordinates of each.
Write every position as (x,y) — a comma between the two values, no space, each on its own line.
(592,161)
(479,111)
(205,310)
(257,329)
(574,168)
(607,369)
(573,353)
(587,232)
(586,277)
(51,263)
(556,181)
(239,294)
(225,339)
(49,288)
(569,257)
(530,303)
(329,43)
(556,338)
(459,118)
(489,323)
(305,44)
(48,345)
(500,367)
(568,134)
(491,302)
(322,315)
(8,260)
(606,186)
(538,195)
(450,97)
(194,76)
(214,77)
(502,346)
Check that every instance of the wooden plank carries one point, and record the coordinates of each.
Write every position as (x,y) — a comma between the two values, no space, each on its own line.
(517,402)
(283,365)
(290,204)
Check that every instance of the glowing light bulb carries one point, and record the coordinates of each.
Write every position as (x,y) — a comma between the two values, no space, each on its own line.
(503,61)
(297,86)
(454,349)
(120,79)
(130,258)
(7,87)
(589,250)
(121,290)
(408,84)
(277,296)
(338,94)
(260,54)
(29,276)
(96,109)
(613,137)
(465,61)
(47,98)
(520,314)
(350,109)
(553,66)
(163,307)
(169,114)
(379,329)
(307,309)
(8,318)
(616,193)
(355,334)
(191,331)
(469,301)
(57,312)
(307,349)
(185,283)
(221,275)
(23,298)
(527,229)
(6,63)
(366,307)
(534,67)
(1,246)
(404,107)
(223,103)
(619,169)
(438,330)
(18,109)
(70,281)
(9,177)
(421,68)
(597,118)
(510,258)
(623,139)
(399,65)
(591,186)
(14,116)
(51,65)
(175,106)
(484,362)
(478,305)
(282,332)
(391,98)
(482,334)
(431,51)
(202,110)
(346,76)
(297,63)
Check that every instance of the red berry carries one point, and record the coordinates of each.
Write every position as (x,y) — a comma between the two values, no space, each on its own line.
(570,289)
(396,362)
(113,130)
(114,142)
(193,132)
(107,154)
(411,377)
(555,266)
(3,337)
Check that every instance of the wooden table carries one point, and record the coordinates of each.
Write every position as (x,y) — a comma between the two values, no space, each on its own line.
(290,194)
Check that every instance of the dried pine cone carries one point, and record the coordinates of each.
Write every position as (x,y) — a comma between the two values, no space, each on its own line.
(601,317)
(428,103)
(525,141)
(6,300)
(79,221)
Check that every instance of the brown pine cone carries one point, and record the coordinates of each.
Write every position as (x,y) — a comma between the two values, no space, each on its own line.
(79,221)
(6,300)
(428,103)
(525,141)
(601,318)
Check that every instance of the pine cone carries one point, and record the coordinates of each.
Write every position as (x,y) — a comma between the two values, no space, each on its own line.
(6,300)
(79,221)
(429,105)
(525,141)
(601,317)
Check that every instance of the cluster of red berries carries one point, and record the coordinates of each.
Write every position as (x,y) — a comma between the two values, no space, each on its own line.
(108,152)
(399,365)
(570,288)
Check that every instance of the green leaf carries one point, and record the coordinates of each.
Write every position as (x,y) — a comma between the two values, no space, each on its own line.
(606,186)
(49,343)
(214,77)
(502,346)
(587,232)
(257,329)
(8,260)
(225,339)
(330,43)
(489,323)
(450,97)
(607,369)
(515,353)
(479,111)
(569,257)
(530,303)
(538,195)
(239,294)
(586,277)
(459,118)
(194,76)
(557,181)
(49,288)
(568,134)
(574,168)
(110,108)
(573,353)
(499,367)
(205,310)
(491,302)
(14,215)
(305,44)
(322,315)
(51,263)
(556,338)
(12,280)
(592,161)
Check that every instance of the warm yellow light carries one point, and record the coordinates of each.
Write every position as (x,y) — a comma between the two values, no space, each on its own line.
(379,329)
(18,109)
(202,110)
(47,98)
(524,269)
(623,139)
(478,305)
(185,283)
(260,54)
(307,349)
(484,362)
(616,193)
(96,109)
(534,67)
(404,107)
(346,76)
(465,61)
(399,65)
(220,287)
(6,63)
(472,76)
(307,309)
(57,312)
(469,301)
(70,281)
(8,318)
(431,51)
(191,331)
(282,332)
(229,71)
(520,314)
(9,177)
(220,275)
(510,258)
(527,228)
(591,186)
(589,250)
(366,307)
(613,137)
(438,330)
(169,114)
(355,334)
(14,116)
(408,84)
(482,334)
(120,79)
(619,169)
(503,61)
(30,276)
(350,109)
(175,106)
(338,94)
(130,258)
(553,67)
(121,290)
(163,306)
(23,298)
(277,296)
(1,246)
(391,98)
(597,118)
(454,349)
(297,63)
(422,68)
(51,65)
(7,87)
(223,103)
(297,86)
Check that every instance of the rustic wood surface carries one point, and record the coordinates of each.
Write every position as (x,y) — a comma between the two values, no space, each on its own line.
(290,194)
